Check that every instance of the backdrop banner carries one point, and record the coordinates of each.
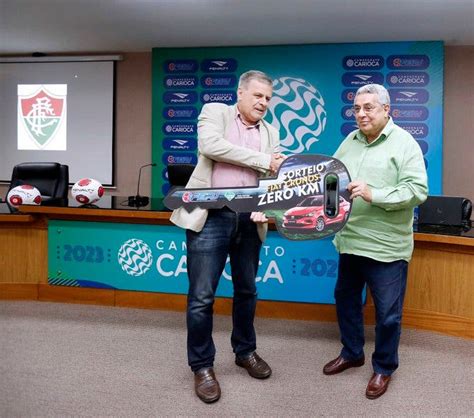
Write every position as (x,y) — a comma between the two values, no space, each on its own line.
(153,258)
(314,88)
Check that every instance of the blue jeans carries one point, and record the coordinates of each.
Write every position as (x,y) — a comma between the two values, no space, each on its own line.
(387,284)
(225,233)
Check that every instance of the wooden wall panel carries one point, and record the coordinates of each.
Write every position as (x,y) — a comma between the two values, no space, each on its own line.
(18,291)
(441,281)
(150,300)
(438,322)
(23,253)
(47,293)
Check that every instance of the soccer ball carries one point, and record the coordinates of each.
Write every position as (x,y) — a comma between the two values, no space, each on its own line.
(24,195)
(87,191)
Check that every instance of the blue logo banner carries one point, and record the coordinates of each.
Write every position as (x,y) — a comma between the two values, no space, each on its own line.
(418,130)
(180,128)
(313,92)
(183,112)
(180,66)
(408,79)
(227,97)
(219,65)
(180,144)
(180,97)
(179,158)
(153,258)
(180,82)
(363,62)
(360,78)
(409,96)
(408,62)
(211,81)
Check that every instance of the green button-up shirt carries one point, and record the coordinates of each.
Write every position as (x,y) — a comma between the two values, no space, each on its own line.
(394,169)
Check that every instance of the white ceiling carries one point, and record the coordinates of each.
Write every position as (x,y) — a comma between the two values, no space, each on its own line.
(61,26)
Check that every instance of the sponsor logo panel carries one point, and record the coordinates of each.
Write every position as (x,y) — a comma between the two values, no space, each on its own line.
(417,130)
(409,96)
(228,97)
(409,113)
(179,158)
(180,112)
(364,62)
(361,78)
(221,65)
(203,196)
(212,81)
(180,82)
(408,79)
(180,144)
(347,112)
(408,62)
(180,66)
(348,95)
(179,128)
(180,97)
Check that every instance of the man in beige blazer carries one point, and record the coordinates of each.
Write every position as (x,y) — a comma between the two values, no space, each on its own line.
(236,147)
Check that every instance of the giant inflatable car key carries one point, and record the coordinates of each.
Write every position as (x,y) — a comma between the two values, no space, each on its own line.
(308,198)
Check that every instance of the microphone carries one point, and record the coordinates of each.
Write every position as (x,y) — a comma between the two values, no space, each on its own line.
(138,200)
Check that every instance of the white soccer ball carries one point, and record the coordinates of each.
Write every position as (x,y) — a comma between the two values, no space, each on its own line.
(87,191)
(24,195)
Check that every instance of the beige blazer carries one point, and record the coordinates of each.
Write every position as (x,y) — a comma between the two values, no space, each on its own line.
(213,123)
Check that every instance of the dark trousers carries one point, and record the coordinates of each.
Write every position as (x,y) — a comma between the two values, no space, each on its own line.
(387,284)
(225,233)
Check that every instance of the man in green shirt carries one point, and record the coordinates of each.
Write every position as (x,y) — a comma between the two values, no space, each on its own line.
(389,180)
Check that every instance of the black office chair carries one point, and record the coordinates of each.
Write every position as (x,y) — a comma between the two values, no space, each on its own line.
(51,179)
(179,174)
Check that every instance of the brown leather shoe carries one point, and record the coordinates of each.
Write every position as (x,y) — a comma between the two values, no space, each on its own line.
(206,385)
(377,386)
(339,364)
(255,366)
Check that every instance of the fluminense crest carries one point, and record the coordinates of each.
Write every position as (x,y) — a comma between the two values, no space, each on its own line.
(41,116)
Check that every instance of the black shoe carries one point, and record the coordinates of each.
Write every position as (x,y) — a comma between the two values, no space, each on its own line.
(255,366)
(206,385)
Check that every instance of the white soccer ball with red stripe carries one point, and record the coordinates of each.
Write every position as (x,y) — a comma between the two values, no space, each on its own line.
(24,195)
(87,191)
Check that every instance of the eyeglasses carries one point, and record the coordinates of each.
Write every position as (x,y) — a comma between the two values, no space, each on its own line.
(367,109)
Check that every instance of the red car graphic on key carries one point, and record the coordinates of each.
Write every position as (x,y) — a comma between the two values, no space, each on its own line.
(310,214)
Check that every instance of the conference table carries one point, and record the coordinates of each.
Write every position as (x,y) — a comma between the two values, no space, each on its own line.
(439,295)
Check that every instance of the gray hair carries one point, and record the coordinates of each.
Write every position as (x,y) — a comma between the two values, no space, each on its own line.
(378,89)
(248,76)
